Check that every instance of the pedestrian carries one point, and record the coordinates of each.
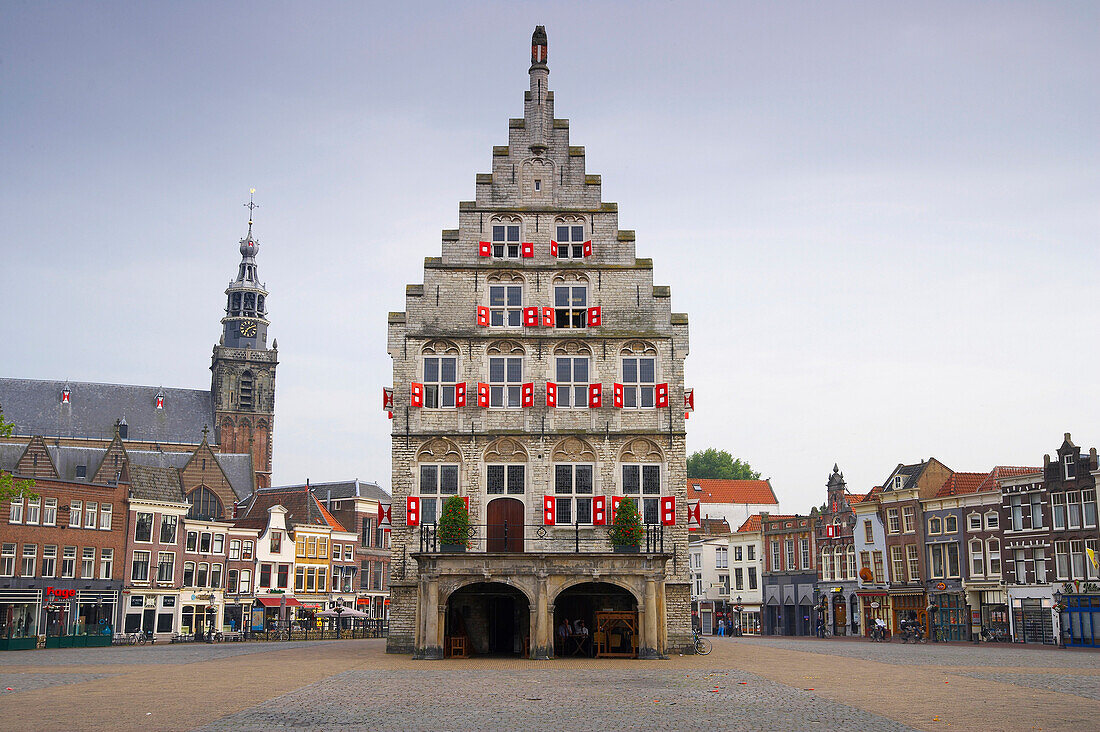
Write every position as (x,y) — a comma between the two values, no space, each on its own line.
(721,626)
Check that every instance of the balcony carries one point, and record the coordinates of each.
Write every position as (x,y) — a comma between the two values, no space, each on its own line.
(520,538)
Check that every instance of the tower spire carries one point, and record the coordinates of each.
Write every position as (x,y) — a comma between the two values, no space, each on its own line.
(538,108)
(250,206)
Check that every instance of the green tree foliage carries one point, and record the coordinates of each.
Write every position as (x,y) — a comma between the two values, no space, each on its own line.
(10,487)
(627,527)
(711,463)
(454,524)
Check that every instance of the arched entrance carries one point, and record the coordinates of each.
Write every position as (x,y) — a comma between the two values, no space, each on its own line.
(504,532)
(607,611)
(488,618)
(840,615)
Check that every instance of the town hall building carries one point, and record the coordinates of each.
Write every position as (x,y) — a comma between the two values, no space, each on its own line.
(538,374)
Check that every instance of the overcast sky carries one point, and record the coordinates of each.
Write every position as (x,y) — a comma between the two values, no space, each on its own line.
(881,218)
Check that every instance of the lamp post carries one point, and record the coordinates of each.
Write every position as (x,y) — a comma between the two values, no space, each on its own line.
(1059,638)
(738,608)
(339,610)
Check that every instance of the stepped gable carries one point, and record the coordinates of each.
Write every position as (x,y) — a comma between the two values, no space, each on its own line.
(36,407)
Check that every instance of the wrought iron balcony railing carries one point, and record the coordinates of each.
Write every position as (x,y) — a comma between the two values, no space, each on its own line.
(509,537)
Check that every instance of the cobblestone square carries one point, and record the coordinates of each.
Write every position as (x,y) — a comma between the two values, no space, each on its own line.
(745,684)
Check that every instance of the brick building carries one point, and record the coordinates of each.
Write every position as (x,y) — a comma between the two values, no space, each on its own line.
(538,373)
(838,580)
(790,574)
(356,505)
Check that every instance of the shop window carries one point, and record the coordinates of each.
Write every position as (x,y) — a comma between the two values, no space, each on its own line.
(573,488)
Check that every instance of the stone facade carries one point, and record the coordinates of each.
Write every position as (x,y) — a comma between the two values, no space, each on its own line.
(538,184)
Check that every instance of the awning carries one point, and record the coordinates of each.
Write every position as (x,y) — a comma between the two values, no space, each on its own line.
(277,601)
(311,607)
(871,593)
(363,601)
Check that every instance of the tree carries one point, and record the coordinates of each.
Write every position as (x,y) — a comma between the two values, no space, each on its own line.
(626,529)
(711,463)
(10,487)
(454,524)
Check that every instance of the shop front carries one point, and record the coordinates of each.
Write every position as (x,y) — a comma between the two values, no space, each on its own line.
(20,613)
(78,618)
(908,606)
(952,616)
(1080,620)
(150,613)
(1032,614)
(236,610)
(876,606)
(273,611)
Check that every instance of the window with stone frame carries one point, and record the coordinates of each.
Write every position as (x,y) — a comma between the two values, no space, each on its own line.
(106,562)
(569,234)
(789,546)
(865,561)
(437,483)
(76,509)
(1069,466)
(15,513)
(573,489)
(506,306)
(505,381)
(639,381)
(49,512)
(440,376)
(1078,560)
(912,556)
(752,578)
(908,519)
(642,482)
(90,510)
(977,558)
(1019,561)
(1073,510)
(34,510)
(506,238)
(868,531)
(166,566)
(974,522)
(721,557)
(1016,512)
(1088,506)
(992,520)
(68,562)
(1039,557)
(880,571)
(139,568)
(1036,510)
(571,305)
(572,375)
(504,479)
(935,525)
(30,560)
(776,565)
(1061,560)
(168,526)
(804,550)
(87,562)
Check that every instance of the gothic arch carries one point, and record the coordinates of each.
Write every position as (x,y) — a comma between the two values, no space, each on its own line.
(439,450)
(506,276)
(441,346)
(228,436)
(573,450)
(506,347)
(572,347)
(639,348)
(570,277)
(505,450)
(641,450)
(505,218)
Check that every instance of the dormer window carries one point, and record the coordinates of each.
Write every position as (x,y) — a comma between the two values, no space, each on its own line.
(123,429)
(81,472)
(897,482)
(697,487)
(1070,467)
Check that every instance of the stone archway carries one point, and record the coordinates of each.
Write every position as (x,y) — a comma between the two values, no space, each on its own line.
(585,602)
(489,618)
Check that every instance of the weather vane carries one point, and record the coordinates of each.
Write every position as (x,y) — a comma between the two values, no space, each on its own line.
(250,205)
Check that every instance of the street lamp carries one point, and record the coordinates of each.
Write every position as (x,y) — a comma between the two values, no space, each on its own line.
(339,609)
(738,608)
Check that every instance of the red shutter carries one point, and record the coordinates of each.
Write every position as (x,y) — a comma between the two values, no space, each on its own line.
(694,522)
(389,414)
(594,316)
(527,395)
(482,315)
(668,510)
(527,249)
(595,395)
(662,395)
(482,394)
(460,394)
(551,394)
(599,510)
(387,398)
(484,248)
(689,400)
(617,396)
(417,394)
(412,511)
(466,501)
(615,501)
(588,248)
(530,316)
(548,317)
(553,248)
(548,510)
(385,514)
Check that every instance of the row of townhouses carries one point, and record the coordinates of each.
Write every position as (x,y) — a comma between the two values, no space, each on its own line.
(1008,553)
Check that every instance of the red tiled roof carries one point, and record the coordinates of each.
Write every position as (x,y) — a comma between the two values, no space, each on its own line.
(752,523)
(854,498)
(960,484)
(719,490)
(992,481)
(873,492)
(336,525)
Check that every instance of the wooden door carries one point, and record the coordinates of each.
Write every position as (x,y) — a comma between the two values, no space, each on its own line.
(504,532)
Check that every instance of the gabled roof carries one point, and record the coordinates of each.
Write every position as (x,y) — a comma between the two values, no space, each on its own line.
(720,490)
(854,498)
(34,407)
(959,484)
(752,523)
(156,484)
(349,489)
(302,507)
(993,480)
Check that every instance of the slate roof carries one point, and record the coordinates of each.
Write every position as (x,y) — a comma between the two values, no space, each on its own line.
(35,408)
(238,471)
(10,454)
(718,490)
(302,508)
(347,489)
(156,484)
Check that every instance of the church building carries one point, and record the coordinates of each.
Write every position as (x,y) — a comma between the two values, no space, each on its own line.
(538,374)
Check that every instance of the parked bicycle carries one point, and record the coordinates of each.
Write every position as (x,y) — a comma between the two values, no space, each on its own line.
(878,633)
(702,645)
(911,632)
(994,635)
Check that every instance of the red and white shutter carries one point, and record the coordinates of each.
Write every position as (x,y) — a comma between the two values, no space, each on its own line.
(387,399)
(617,396)
(412,511)
(595,395)
(460,394)
(385,514)
(64,396)
(615,501)
(160,402)
(689,400)
(527,249)
(548,510)
(482,394)
(553,248)
(417,391)
(594,316)
(466,502)
(662,395)
(668,510)
(527,394)
(482,315)
(530,317)
(588,248)
(551,394)
(599,510)
(484,248)
(548,317)
(694,521)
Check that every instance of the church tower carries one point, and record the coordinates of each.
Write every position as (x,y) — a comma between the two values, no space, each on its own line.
(243,367)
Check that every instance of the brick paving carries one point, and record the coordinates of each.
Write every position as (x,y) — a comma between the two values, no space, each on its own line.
(789,684)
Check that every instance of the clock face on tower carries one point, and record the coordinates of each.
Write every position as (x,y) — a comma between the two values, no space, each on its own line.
(248,328)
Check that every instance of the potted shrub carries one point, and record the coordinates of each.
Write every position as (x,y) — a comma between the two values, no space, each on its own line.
(454,526)
(626,530)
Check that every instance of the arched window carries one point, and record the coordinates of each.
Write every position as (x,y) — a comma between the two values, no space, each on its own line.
(244,395)
(205,504)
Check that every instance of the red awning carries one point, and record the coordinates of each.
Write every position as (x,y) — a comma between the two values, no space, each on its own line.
(277,601)
(362,601)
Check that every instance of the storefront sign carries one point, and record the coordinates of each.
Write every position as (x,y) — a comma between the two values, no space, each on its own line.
(63,594)
(875,605)
(941,586)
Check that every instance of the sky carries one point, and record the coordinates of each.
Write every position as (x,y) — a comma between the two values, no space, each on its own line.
(881,218)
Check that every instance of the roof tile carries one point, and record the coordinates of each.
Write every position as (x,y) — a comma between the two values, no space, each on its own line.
(719,490)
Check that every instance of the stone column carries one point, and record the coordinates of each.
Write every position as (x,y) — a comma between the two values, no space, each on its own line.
(648,646)
(542,643)
(431,646)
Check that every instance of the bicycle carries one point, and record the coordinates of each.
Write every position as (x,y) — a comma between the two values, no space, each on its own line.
(702,645)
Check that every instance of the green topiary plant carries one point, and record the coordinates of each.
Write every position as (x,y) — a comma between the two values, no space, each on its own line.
(626,530)
(454,524)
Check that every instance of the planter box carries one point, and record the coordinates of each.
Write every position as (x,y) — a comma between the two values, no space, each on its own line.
(19,644)
(452,548)
(627,549)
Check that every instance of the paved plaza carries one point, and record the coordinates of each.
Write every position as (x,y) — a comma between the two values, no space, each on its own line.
(745,684)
